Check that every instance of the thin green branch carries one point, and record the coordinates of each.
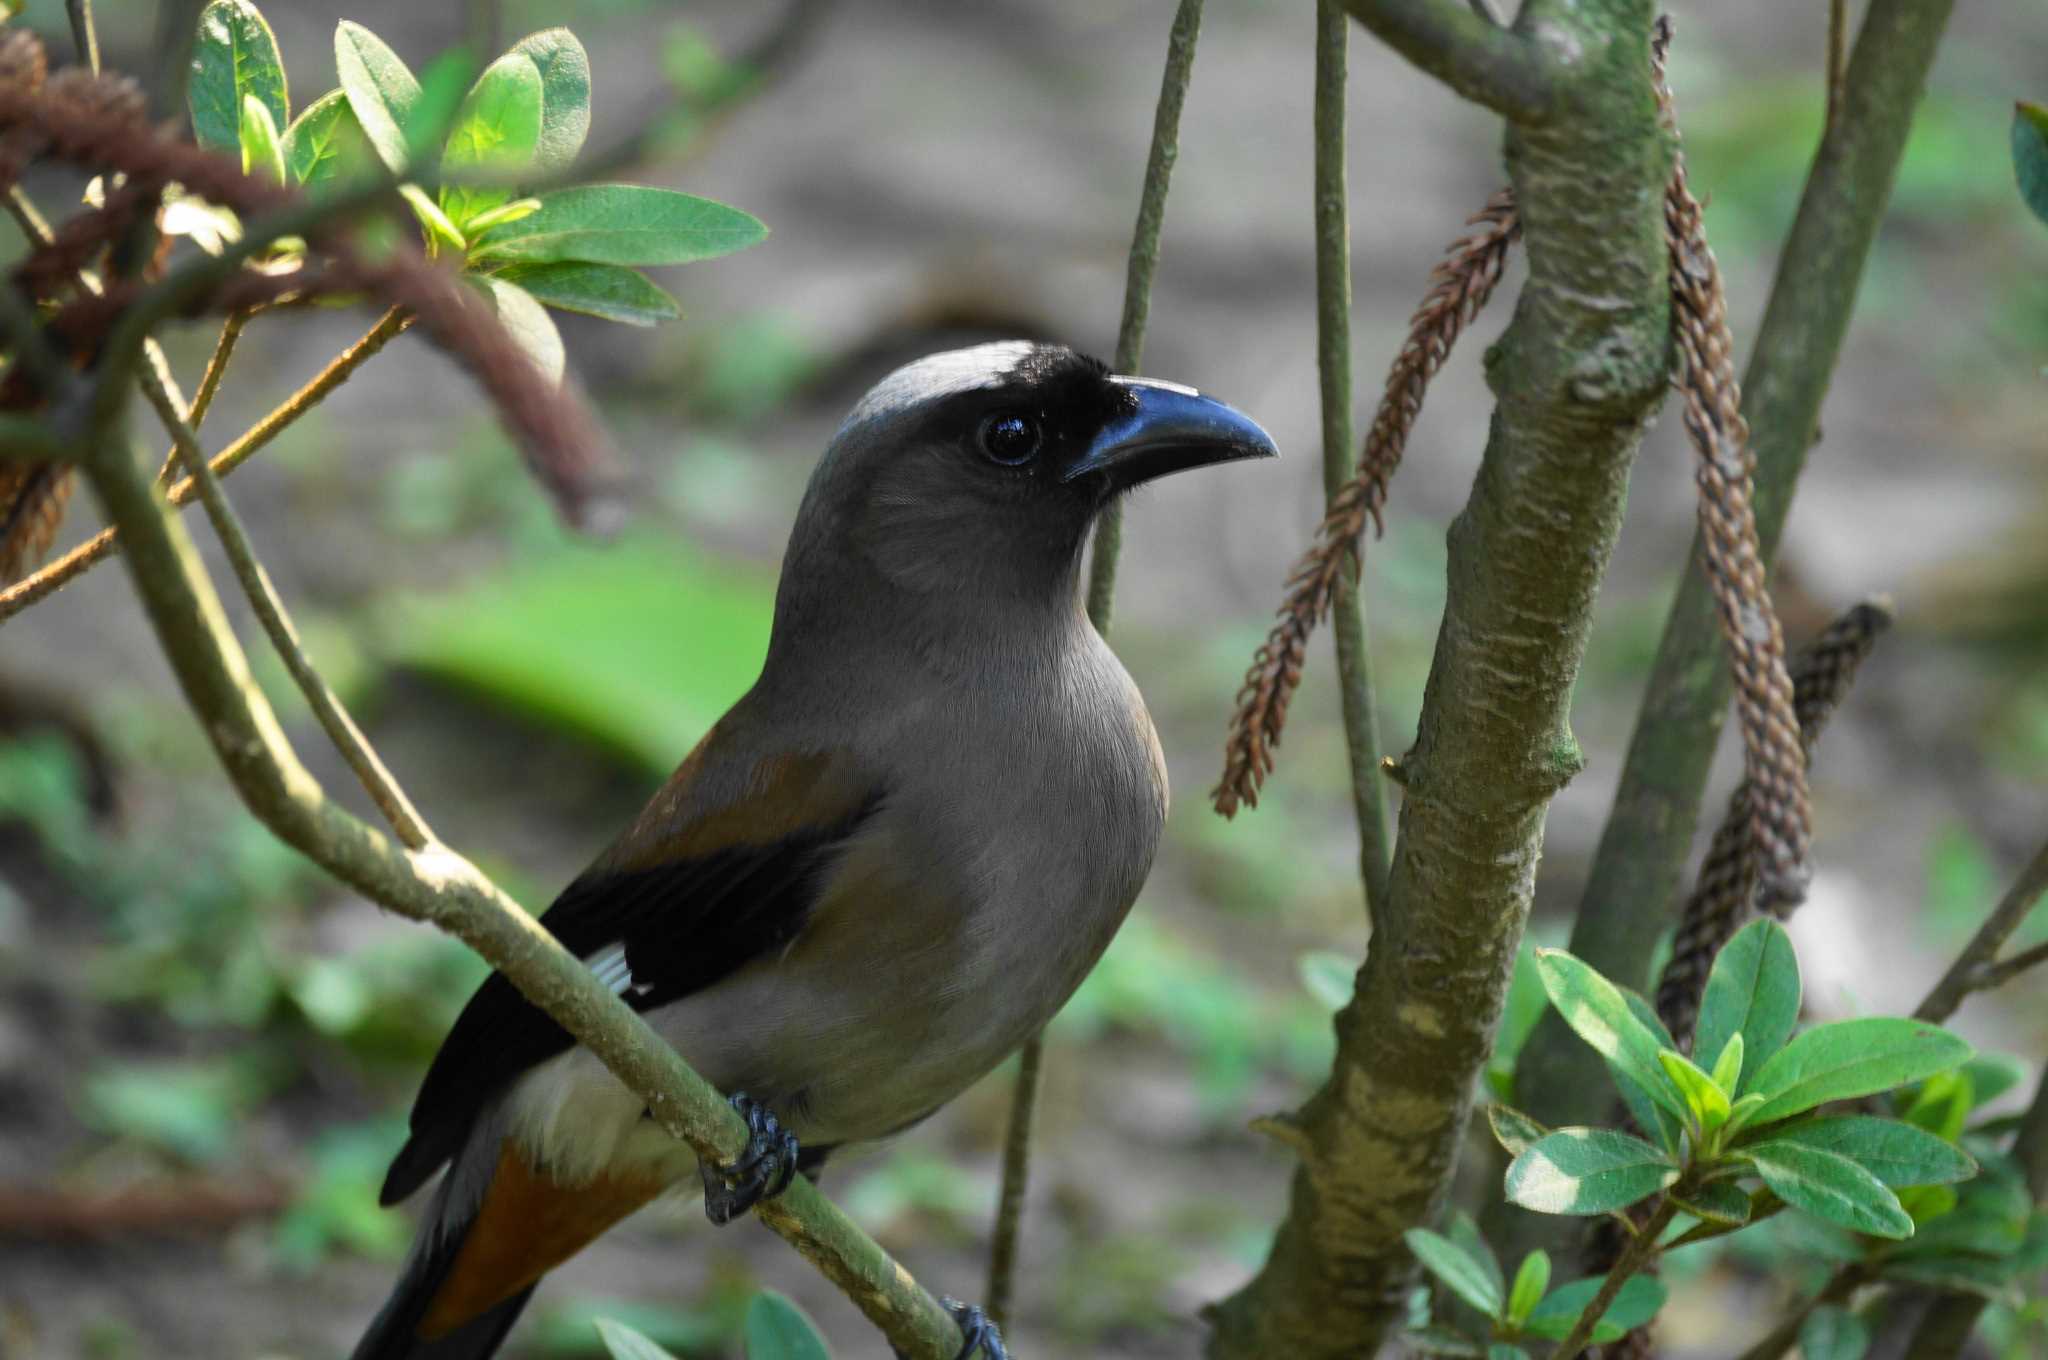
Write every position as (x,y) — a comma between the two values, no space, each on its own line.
(1467,50)
(1333,363)
(107,542)
(1109,534)
(1977,967)
(209,384)
(84,35)
(1640,1251)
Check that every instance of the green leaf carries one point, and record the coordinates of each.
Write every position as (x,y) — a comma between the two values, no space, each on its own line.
(1941,1105)
(504,212)
(776,1329)
(380,88)
(1465,1235)
(1979,1275)
(1852,1058)
(496,133)
(1830,1187)
(441,233)
(565,94)
(326,143)
(1717,1202)
(1460,1272)
(624,224)
(1587,1171)
(1990,1218)
(1925,1202)
(1897,1154)
(623,1343)
(233,56)
(1993,1074)
(527,321)
(444,85)
(262,149)
(1709,1105)
(2030,156)
(1531,1279)
(1443,1341)
(604,290)
(1502,1350)
(1742,1111)
(1327,976)
(1833,1333)
(1636,1304)
(1514,1130)
(1648,1114)
(1728,1067)
(1598,1012)
(1753,990)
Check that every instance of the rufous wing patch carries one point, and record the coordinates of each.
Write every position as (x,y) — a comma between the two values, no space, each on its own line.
(526,1226)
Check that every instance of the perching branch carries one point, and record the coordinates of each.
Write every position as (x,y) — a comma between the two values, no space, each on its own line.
(1333,363)
(1977,968)
(1500,68)
(1109,535)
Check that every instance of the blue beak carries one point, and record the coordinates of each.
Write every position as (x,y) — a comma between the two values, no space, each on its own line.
(1171,429)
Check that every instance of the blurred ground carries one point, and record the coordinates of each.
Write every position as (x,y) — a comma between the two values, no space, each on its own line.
(180,1001)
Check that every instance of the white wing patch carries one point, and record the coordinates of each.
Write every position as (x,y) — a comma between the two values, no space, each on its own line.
(610,967)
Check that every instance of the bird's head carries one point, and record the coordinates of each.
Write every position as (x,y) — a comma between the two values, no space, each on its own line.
(978,471)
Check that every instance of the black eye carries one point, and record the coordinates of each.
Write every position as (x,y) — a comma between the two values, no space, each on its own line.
(1009,438)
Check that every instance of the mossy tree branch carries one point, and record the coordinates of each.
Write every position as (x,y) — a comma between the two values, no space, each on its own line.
(1507,70)
(1577,375)
(1631,889)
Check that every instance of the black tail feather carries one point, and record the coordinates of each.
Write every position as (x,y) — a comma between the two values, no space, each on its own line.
(394,1334)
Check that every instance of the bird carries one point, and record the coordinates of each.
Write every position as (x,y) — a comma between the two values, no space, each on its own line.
(877,875)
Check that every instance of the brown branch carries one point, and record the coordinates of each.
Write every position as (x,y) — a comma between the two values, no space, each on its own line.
(176,1207)
(1977,967)
(1460,284)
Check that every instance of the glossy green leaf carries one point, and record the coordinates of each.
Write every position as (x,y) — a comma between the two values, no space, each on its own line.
(234,56)
(444,85)
(1598,1013)
(624,224)
(1708,1103)
(1327,976)
(1532,1278)
(380,89)
(1741,1112)
(1639,1301)
(565,94)
(496,132)
(1830,1187)
(1897,1154)
(1753,990)
(1852,1058)
(441,233)
(623,1343)
(1461,1272)
(1728,1067)
(262,146)
(326,144)
(610,291)
(776,1329)
(1514,1130)
(1718,1202)
(1831,1332)
(2030,156)
(528,322)
(1587,1171)
(1465,1235)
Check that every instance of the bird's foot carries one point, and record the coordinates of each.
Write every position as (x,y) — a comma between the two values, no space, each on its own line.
(979,1335)
(763,1171)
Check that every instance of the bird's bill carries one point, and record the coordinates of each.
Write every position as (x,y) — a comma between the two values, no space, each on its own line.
(1170,429)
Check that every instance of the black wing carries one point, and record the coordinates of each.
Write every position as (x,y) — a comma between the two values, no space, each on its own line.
(685,925)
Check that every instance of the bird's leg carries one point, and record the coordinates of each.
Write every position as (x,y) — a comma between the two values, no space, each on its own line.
(979,1335)
(763,1171)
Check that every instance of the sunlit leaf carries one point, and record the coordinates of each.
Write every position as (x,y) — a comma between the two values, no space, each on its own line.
(611,291)
(495,135)
(565,94)
(441,233)
(1598,1012)
(1752,990)
(527,322)
(380,88)
(1708,1103)
(1532,1278)
(624,224)
(234,56)
(1728,1067)
(262,147)
(326,143)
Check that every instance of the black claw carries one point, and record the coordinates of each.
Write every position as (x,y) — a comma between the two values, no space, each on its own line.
(763,1171)
(981,1336)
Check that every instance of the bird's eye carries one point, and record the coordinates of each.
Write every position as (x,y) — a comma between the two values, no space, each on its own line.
(1010,438)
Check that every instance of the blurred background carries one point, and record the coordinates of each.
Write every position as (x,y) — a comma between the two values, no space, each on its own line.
(206,1050)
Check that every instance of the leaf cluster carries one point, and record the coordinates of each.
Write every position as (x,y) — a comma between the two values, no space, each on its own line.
(1528,1308)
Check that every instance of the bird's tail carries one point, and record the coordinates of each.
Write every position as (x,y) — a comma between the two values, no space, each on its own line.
(395,1334)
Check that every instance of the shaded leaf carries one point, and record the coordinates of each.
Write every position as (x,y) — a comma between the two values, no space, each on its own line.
(1587,1171)
(1443,1341)
(262,147)
(2030,156)
(1753,990)
(565,94)
(1461,1272)
(1993,1074)
(233,56)
(1599,1014)
(1942,1104)
(1831,1332)
(1830,1187)
(623,1343)
(776,1329)
(1648,1114)
(443,86)
(1514,1130)
(1925,1202)
(1464,1233)
(1718,1202)
(1639,1300)
(495,134)
(1532,1278)
(1852,1058)
(380,89)
(326,143)
(1983,1276)
(624,224)
(528,323)
(1897,1154)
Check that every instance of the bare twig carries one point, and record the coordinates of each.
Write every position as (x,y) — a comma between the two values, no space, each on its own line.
(1977,967)
(1460,284)
(1333,364)
(1130,350)
(209,384)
